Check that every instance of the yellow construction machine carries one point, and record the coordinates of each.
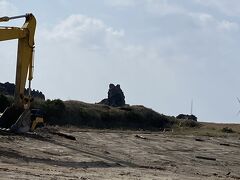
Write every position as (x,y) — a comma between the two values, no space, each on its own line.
(19,117)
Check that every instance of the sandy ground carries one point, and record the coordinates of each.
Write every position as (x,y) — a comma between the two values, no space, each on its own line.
(102,154)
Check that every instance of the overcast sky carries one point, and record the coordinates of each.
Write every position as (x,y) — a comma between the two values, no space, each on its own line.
(163,53)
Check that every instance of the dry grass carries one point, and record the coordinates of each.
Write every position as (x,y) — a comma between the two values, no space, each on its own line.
(210,129)
(219,126)
(86,115)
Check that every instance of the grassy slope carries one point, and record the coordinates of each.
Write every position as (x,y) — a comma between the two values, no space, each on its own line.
(102,116)
(211,130)
(82,114)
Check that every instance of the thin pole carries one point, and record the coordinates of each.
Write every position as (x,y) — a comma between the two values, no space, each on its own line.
(191,107)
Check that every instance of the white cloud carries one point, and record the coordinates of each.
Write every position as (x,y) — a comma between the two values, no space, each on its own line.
(209,22)
(85,31)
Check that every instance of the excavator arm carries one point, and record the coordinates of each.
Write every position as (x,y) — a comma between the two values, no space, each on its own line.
(24,68)
(8,33)
(18,116)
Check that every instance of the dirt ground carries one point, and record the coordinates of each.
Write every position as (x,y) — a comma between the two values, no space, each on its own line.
(53,153)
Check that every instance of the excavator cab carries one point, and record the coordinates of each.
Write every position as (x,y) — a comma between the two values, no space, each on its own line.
(19,117)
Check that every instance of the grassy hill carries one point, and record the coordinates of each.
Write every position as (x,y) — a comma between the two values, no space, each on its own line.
(137,117)
(80,114)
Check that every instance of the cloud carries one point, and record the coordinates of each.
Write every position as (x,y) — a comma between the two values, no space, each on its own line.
(206,20)
(209,22)
(84,31)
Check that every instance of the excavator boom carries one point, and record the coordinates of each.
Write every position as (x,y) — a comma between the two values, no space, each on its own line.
(8,33)
(19,113)
(25,36)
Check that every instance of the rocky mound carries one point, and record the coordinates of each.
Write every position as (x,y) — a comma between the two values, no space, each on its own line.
(9,88)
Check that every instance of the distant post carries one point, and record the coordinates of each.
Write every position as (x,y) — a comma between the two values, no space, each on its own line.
(191,106)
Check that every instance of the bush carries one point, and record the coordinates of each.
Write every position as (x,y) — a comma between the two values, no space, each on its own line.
(4,102)
(82,114)
(189,123)
(227,130)
(54,110)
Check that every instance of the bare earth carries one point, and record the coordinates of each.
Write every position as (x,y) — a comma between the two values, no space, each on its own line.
(102,154)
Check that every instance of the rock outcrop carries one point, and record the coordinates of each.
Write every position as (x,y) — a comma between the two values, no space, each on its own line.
(116,96)
(9,88)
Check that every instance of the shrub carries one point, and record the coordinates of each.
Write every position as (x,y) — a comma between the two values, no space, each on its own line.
(82,114)
(54,111)
(227,130)
(4,102)
(189,123)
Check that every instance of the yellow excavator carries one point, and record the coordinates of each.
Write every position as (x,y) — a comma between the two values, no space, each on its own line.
(19,117)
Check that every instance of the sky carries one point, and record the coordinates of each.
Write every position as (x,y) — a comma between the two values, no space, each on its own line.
(163,53)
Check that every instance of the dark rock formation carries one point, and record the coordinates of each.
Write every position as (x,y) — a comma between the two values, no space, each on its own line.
(186,116)
(9,88)
(115,98)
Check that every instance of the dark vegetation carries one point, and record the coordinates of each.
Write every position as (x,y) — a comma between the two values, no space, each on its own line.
(102,116)
(4,102)
(187,117)
(227,130)
(110,113)
(84,115)
(188,123)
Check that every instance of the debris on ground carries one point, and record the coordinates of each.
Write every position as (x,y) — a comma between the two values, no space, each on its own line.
(199,139)
(206,158)
(139,136)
